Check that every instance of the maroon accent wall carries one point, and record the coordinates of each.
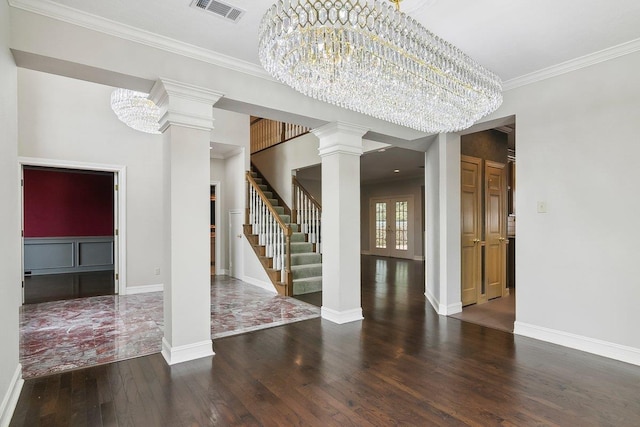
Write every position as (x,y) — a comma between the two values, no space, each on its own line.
(62,203)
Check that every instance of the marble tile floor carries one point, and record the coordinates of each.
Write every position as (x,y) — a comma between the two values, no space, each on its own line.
(65,335)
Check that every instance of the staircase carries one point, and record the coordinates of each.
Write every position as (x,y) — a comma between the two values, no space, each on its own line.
(288,250)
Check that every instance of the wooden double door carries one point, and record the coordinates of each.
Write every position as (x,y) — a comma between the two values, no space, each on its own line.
(483,230)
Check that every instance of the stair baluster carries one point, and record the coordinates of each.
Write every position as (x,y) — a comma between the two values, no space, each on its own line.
(272,233)
(308,214)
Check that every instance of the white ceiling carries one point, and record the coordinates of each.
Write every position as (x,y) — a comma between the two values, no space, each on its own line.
(378,166)
(511,37)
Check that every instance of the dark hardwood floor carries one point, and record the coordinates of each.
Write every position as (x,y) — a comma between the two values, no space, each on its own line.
(402,365)
(57,287)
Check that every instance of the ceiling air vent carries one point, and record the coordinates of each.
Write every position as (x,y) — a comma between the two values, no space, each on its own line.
(219,8)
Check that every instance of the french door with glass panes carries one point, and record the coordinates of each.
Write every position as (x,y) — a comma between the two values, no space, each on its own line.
(391,226)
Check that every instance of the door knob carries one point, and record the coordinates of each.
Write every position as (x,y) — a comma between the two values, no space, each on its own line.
(239,236)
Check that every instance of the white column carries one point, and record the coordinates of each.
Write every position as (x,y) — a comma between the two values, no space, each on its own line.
(442,243)
(340,149)
(186,124)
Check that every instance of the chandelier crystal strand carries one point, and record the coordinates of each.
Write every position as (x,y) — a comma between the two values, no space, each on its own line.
(366,56)
(135,110)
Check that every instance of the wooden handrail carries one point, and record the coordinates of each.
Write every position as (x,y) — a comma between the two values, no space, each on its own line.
(276,215)
(296,183)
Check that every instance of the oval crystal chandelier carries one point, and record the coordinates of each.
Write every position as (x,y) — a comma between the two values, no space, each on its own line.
(368,57)
(135,110)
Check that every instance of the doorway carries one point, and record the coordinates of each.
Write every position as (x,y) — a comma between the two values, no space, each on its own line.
(212,197)
(487,184)
(391,222)
(68,233)
(236,220)
(71,247)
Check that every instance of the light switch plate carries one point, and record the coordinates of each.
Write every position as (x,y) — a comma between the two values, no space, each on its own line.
(542,207)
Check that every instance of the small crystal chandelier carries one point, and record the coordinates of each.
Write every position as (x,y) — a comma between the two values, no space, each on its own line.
(135,110)
(366,56)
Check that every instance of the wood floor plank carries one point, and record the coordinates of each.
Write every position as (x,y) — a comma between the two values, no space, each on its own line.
(402,365)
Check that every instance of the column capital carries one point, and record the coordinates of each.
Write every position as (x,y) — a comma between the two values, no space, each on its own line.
(339,137)
(183,104)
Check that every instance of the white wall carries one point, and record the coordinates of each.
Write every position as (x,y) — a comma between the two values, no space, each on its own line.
(234,187)
(254,272)
(231,131)
(66,119)
(577,265)
(10,275)
(277,163)
(235,181)
(442,192)
(409,187)
(230,128)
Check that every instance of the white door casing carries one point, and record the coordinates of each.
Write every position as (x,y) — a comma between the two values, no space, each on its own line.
(236,219)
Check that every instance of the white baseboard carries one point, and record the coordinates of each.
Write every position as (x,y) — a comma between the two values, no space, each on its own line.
(590,345)
(341,317)
(259,283)
(365,252)
(432,300)
(10,399)
(454,308)
(185,353)
(132,290)
(222,272)
(441,309)
(418,258)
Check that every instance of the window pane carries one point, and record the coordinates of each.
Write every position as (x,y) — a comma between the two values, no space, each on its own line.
(381,225)
(401,226)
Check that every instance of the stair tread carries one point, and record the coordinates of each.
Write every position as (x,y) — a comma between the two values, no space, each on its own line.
(308,279)
(306,254)
(301,244)
(296,267)
(301,266)
(298,238)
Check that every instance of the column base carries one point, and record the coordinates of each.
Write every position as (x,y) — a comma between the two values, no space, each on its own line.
(185,353)
(341,317)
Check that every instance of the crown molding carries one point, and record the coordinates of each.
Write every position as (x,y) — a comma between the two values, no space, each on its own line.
(96,23)
(573,64)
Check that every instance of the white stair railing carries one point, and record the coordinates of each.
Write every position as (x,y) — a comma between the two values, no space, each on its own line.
(307,213)
(271,230)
